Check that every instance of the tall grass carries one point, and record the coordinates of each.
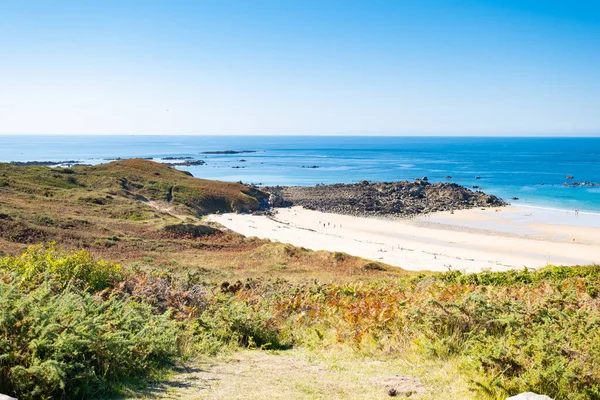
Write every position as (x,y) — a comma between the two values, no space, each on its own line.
(519,331)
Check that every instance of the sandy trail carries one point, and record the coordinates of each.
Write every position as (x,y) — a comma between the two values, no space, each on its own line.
(298,374)
(470,240)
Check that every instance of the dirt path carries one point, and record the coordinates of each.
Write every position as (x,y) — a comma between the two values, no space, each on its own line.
(297,374)
(168,208)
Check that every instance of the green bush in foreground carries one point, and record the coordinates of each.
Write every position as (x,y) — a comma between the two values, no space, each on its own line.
(71,344)
(229,321)
(61,338)
(71,327)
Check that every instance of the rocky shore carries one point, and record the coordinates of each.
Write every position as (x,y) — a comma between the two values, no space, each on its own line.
(402,199)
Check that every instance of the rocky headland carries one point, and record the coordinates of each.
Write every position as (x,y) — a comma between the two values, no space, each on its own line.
(402,199)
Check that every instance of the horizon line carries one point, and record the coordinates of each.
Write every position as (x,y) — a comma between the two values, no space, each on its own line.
(475,135)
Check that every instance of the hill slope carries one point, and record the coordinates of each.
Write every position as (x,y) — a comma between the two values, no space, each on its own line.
(144,213)
(133,178)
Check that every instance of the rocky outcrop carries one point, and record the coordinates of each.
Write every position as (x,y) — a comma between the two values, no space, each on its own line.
(43,163)
(229,152)
(384,198)
(582,184)
(276,200)
(529,396)
(188,163)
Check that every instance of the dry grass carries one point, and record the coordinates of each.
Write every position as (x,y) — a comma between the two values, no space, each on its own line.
(118,212)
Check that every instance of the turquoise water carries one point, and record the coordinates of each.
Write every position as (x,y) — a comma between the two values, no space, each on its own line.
(507,167)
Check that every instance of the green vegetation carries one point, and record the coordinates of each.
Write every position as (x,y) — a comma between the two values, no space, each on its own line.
(60,337)
(73,326)
(39,264)
(81,328)
(135,178)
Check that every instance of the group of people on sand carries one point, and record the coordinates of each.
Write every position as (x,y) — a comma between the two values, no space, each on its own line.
(327,224)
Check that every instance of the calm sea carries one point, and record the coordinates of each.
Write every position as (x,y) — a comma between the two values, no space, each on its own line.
(532,169)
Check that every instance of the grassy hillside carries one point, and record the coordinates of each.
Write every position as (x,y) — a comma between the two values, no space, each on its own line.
(148,215)
(133,178)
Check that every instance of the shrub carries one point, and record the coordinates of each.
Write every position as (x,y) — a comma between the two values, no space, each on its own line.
(72,345)
(231,322)
(339,257)
(42,262)
(373,266)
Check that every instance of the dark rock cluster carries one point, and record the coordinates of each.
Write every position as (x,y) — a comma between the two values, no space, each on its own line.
(43,163)
(584,183)
(365,198)
(187,163)
(229,152)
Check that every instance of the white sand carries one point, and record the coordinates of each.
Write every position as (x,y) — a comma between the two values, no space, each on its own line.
(470,240)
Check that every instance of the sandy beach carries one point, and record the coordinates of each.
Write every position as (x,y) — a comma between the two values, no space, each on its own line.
(470,240)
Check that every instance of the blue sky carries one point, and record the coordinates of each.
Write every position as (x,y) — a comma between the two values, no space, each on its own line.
(406,67)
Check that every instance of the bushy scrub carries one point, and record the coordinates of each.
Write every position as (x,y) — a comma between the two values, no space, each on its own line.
(73,344)
(45,262)
(519,331)
(73,327)
(66,332)
(230,321)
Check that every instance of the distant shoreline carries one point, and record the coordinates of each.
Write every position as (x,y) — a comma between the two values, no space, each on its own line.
(534,170)
(188,161)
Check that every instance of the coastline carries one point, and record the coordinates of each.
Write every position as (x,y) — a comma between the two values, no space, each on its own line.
(539,178)
(472,240)
(541,207)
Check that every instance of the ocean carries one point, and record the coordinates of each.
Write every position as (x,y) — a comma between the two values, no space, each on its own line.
(532,169)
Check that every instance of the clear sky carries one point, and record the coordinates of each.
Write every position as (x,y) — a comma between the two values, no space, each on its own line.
(405,67)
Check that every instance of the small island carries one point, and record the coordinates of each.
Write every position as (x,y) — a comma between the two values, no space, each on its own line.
(229,152)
